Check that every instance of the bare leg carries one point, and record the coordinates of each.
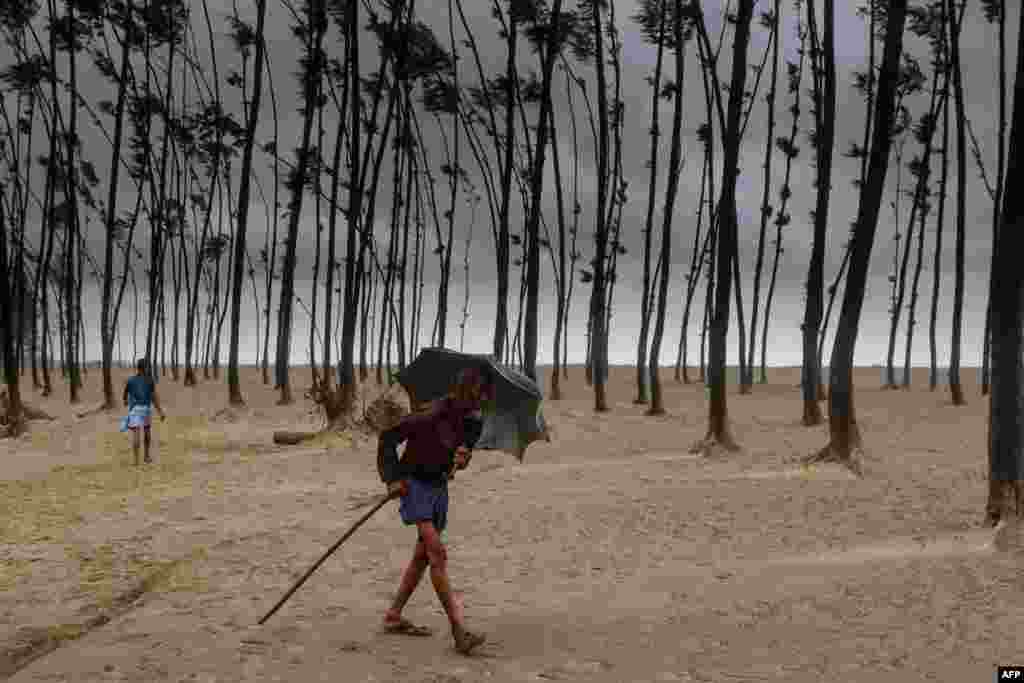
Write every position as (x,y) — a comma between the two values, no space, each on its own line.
(146,439)
(410,580)
(135,445)
(437,555)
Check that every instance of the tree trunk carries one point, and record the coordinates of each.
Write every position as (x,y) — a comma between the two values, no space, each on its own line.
(560,284)
(844,434)
(674,168)
(536,192)
(245,180)
(346,364)
(106,314)
(825,112)
(13,418)
(766,209)
(998,195)
(599,337)
(645,320)
(700,250)
(956,391)
(933,378)
(1006,431)
(312,72)
(508,168)
(718,433)
(782,218)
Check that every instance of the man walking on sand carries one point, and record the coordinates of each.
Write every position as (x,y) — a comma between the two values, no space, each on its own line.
(140,397)
(438,440)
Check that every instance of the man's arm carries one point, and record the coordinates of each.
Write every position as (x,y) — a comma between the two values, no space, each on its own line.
(388,466)
(473,427)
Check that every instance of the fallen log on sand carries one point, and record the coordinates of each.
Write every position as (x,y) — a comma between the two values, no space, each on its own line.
(287,438)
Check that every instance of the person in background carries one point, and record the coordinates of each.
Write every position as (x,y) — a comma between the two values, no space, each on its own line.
(438,441)
(140,397)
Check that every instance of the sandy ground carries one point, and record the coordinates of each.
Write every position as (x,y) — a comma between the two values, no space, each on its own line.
(610,554)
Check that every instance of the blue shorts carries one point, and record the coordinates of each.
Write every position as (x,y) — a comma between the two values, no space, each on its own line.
(425,502)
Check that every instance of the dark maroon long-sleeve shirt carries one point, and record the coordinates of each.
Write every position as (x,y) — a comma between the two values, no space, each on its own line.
(431,438)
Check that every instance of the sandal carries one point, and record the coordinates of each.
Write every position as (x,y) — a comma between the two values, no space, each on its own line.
(407,628)
(469,642)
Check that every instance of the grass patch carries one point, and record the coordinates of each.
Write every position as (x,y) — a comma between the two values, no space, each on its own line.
(105,577)
(171,576)
(11,572)
(42,510)
(60,633)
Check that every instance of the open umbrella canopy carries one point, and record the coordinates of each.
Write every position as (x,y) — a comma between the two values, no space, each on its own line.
(511,422)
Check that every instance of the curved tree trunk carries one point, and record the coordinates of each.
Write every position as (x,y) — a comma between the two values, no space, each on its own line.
(645,319)
(718,433)
(536,192)
(843,431)
(674,167)
(700,251)
(311,76)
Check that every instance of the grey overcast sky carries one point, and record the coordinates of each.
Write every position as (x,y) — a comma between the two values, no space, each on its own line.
(980,65)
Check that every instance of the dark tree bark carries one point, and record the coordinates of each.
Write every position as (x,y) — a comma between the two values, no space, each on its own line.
(700,252)
(311,77)
(346,365)
(658,6)
(843,431)
(674,167)
(245,181)
(508,168)
(12,413)
(536,192)
(107,330)
(766,208)
(782,218)
(955,389)
(997,199)
(718,433)
(933,377)
(825,113)
(1006,430)
(598,316)
(560,283)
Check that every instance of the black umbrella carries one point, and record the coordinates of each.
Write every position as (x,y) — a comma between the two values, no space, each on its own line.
(511,422)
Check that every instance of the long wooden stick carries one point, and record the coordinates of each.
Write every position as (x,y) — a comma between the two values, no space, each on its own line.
(309,572)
